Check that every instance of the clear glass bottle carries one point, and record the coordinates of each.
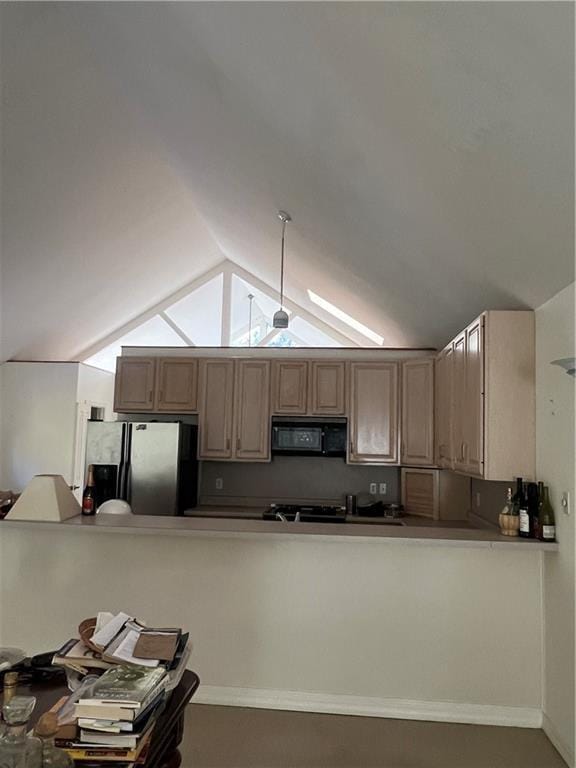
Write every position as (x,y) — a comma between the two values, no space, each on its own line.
(9,687)
(17,749)
(508,508)
(52,756)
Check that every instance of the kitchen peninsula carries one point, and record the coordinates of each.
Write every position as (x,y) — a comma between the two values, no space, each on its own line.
(415,613)
(224,524)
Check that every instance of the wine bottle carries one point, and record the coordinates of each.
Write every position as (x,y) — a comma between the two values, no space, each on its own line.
(89,495)
(547,523)
(533,508)
(508,518)
(521,508)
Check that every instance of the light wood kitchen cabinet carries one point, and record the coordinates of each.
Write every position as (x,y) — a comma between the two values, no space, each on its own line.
(290,387)
(459,401)
(491,418)
(417,427)
(474,399)
(443,408)
(134,386)
(435,494)
(177,385)
(468,406)
(327,383)
(215,409)
(252,411)
(373,413)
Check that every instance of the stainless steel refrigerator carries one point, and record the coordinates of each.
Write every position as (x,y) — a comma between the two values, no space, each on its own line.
(151,465)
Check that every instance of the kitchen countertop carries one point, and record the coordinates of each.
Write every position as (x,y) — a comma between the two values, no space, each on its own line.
(423,532)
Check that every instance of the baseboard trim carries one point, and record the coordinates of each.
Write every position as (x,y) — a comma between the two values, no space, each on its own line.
(565,751)
(346,704)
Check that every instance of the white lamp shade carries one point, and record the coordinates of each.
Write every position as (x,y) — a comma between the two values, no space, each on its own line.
(46,497)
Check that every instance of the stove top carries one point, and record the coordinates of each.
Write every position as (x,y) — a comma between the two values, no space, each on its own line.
(309,513)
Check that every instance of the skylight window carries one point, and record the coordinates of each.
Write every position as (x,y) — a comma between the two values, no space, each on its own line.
(341,315)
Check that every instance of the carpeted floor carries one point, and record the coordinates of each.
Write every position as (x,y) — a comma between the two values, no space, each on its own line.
(232,737)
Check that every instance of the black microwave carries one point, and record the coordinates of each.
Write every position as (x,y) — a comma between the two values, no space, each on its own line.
(311,438)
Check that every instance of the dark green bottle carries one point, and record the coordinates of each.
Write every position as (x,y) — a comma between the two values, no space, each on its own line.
(533,502)
(521,509)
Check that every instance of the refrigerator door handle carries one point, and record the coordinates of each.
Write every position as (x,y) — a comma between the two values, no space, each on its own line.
(128,483)
(124,484)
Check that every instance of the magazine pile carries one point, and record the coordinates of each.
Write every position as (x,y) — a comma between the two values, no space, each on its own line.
(124,672)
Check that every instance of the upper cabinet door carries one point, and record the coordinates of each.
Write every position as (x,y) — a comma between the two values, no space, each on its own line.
(459,401)
(177,385)
(134,384)
(474,400)
(252,410)
(289,387)
(327,389)
(418,412)
(443,408)
(215,411)
(373,412)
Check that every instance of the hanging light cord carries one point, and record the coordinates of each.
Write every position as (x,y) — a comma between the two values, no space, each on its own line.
(284,222)
(250,299)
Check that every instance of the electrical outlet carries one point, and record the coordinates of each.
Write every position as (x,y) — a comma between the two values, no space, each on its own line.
(478,499)
(383,489)
(373,488)
(565,502)
(219,483)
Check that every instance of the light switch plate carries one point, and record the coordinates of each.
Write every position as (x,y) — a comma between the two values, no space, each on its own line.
(219,483)
(383,489)
(373,488)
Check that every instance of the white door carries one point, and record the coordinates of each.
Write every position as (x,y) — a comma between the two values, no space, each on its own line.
(83,411)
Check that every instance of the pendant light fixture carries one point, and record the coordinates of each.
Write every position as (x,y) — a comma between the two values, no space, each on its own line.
(280,319)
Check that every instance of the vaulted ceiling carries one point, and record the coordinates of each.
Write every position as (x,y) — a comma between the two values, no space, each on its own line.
(424,150)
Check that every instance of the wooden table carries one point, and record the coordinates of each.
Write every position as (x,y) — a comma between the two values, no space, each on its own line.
(167,735)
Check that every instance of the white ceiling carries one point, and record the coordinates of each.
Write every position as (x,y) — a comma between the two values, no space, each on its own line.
(424,150)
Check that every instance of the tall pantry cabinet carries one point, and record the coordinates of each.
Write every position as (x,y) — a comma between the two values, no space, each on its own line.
(485,398)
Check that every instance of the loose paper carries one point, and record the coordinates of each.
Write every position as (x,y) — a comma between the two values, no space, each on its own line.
(110,629)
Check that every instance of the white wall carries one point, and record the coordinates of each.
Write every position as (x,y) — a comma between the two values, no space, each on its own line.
(451,626)
(38,404)
(555,463)
(96,387)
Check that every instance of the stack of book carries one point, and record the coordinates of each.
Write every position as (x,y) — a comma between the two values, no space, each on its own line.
(123,673)
(120,639)
(116,718)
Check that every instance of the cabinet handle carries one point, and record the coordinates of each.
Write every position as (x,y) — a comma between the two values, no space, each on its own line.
(151,395)
(351,448)
(227,443)
(238,443)
(161,396)
(462,451)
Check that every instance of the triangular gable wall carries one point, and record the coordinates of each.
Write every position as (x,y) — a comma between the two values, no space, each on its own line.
(216,310)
